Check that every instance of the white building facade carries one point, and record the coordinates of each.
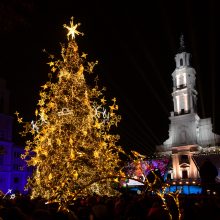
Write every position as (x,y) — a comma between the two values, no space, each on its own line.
(188,134)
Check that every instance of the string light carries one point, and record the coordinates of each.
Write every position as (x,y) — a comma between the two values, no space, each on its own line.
(153,183)
(72,148)
(9,191)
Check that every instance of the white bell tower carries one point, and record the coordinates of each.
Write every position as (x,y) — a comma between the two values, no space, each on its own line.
(183,130)
(184,121)
(188,134)
(184,93)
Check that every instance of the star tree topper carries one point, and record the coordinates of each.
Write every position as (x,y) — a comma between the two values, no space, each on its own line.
(72,29)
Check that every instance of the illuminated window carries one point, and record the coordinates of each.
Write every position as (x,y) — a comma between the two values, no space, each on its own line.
(181,80)
(186,102)
(177,103)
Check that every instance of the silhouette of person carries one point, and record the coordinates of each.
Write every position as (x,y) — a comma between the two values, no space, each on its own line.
(208,173)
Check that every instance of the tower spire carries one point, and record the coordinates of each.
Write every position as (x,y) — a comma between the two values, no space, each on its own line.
(182,44)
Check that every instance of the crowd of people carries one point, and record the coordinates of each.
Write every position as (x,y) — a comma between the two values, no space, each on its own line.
(128,206)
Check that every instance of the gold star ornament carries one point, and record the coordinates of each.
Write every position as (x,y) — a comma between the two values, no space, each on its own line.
(72,29)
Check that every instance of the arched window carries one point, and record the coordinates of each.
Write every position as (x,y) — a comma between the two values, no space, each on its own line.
(181,62)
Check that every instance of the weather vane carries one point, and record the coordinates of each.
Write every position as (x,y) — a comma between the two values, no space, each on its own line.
(72,29)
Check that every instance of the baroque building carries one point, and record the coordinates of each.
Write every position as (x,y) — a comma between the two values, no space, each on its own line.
(189,135)
(13,172)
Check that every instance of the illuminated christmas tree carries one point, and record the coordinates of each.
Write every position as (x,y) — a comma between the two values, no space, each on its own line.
(71,147)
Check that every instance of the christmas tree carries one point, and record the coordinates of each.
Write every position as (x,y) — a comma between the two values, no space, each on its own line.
(71,146)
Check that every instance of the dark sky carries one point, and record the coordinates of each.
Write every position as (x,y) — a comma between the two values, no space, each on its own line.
(135,43)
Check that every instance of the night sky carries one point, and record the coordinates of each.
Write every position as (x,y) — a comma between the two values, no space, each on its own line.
(135,43)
